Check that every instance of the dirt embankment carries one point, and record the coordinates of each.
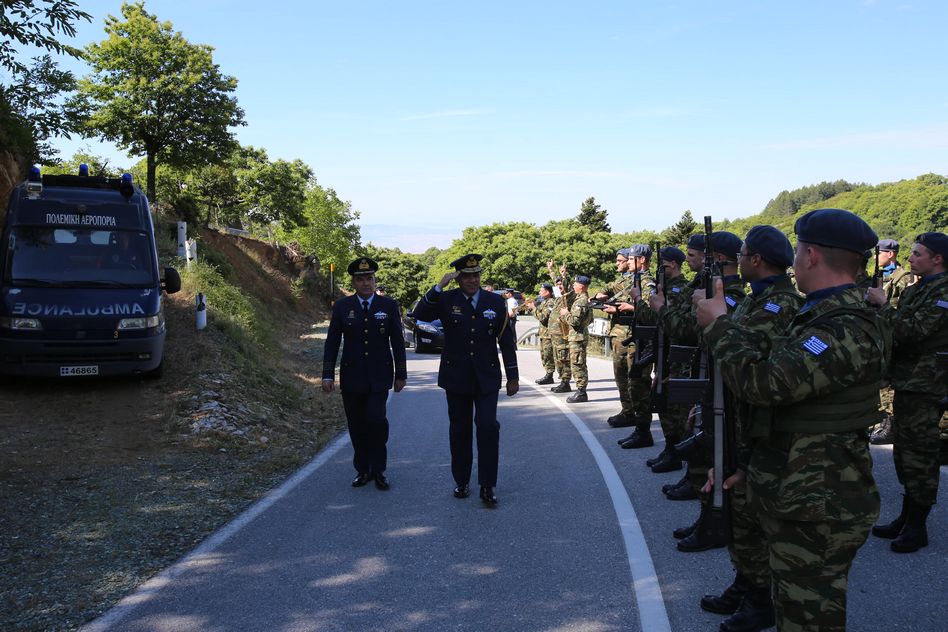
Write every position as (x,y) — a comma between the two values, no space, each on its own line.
(105,482)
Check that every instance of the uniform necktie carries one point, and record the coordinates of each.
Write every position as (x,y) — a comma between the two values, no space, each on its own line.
(365,308)
(470,302)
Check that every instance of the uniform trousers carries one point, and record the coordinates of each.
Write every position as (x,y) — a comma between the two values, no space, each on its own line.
(547,354)
(368,430)
(465,412)
(916,448)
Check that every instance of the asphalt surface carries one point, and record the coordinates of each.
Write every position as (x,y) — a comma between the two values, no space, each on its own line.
(576,544)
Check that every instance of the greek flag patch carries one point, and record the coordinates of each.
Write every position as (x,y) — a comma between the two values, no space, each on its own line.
(942,304)
(815,346)
(730,301)
(676,289)
(772,307)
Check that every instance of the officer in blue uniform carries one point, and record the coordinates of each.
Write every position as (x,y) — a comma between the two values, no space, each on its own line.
(373,359)
(475,322)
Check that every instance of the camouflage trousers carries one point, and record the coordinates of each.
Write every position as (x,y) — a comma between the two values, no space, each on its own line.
(636,384)
(620,368)
(561,357)
(674,423)
(810,564)
(748,546)
(547,355)
(916,447)
(577,362)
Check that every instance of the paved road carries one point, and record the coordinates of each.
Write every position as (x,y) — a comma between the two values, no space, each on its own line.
(581,541)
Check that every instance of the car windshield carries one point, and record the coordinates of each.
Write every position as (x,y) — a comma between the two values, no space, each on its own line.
(78,257)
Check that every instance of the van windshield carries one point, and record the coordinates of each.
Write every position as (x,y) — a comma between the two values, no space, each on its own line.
(78,257)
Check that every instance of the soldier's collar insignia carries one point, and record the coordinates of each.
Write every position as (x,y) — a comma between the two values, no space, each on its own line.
(490,314)
(772,307)
(815,346)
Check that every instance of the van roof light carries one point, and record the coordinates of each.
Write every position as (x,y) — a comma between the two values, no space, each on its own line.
(35,175)
(83,169)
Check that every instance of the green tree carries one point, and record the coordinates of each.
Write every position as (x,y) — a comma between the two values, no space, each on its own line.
(277,192)
(402,273)
(678,234)
(593,216)
(157,95)
(330,230)
(98,165)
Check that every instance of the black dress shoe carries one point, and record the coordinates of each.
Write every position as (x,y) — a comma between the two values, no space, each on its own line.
(381,482)
(362,479)
(639,439)
(682,492)
(462,491)
(546,379)
(578,396)
(562,387)
(487,496)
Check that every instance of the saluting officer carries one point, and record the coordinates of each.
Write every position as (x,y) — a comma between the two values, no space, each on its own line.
(474,322)
(919,331)
(813,391)
(373,354)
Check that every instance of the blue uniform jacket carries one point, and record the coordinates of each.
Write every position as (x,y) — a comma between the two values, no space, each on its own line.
(374,351)
(469,362)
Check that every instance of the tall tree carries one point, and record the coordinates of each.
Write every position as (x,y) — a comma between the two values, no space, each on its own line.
(593,216)
(684,228)
(157,95)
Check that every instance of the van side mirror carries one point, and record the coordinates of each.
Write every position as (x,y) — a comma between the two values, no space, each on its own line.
(172,282)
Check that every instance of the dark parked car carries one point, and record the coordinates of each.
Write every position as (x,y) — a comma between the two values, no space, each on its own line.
(423,335)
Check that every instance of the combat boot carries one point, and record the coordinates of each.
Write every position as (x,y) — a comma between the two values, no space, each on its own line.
(882,435)
(685,491)
(667,487)
(578,396)
(710,533)
(914,534)
(669,463)
(892,530)
(755,613)
(546,379)
(562,387)
(622,420)
(655,459)
(683,532)
(730,600)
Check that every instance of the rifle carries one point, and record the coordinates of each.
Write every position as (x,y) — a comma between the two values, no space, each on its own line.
(719,434)
(612,302)
(876,275)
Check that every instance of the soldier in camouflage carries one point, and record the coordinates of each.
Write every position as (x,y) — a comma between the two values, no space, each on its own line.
(813,391)
(919,330)
(675,417)
(726,247)
(895,279)
(618,331)
(639,377)
(558,328)
(542,314)
(578,316)
(772,304)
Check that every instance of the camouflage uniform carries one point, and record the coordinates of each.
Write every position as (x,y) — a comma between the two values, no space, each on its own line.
(919,330)
(894,284)
(640,378)
(813,392)
(579,318)
(618,289)
(675,418)
(768,313)
(557,325)
(542,314)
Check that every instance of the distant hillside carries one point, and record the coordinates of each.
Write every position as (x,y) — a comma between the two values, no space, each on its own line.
(895,210)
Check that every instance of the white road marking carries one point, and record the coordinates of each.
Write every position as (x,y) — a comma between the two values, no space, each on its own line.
(648,594)
(202,555)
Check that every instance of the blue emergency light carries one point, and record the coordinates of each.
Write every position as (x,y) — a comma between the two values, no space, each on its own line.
(83,169)
(35,175)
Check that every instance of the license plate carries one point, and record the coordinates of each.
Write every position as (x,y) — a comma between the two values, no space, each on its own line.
(72,371)
(426,340)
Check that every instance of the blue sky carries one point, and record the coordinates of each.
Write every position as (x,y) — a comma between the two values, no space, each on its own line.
(433,116)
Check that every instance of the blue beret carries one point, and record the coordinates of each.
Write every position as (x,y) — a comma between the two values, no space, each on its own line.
(670,253)
(771,244)
(726,243)
(696,242)
(362,265)
(546,286)
(581,278)
(623,252)
(836,228)
(641,250)
(936,242)
(888,245)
